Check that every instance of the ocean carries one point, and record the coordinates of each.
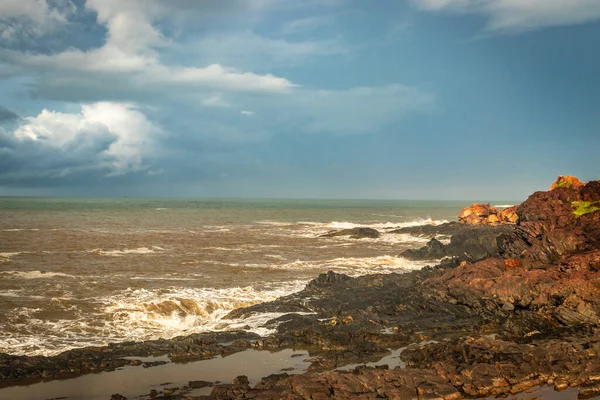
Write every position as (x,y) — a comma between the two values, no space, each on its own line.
(88,272)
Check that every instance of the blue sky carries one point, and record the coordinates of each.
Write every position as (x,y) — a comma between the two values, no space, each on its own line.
(419,99)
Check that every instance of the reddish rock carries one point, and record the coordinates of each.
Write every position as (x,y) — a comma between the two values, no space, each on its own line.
(476,214)
(512,263)
(548,229)
(568,181)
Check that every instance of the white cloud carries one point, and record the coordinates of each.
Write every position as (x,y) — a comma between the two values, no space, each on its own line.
(522,15)
(215,101)
(32,18)
(130,57)
(118,134)
(303,25)
(246,113)
(245,48)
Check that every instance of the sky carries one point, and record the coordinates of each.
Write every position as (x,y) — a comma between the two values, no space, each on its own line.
(415,99)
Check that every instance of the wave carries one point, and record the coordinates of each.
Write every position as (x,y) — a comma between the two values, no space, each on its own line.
(352,266)
(20,229)
(384,225)
(311,229)
(118,253)
(142,314)
(36,274)
(503,205)
(7,256)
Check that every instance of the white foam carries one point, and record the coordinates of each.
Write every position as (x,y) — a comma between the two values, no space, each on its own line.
(118,253)
(352,266)
(384,225)
(20,229)
(36,274)
(311,229)
(503,205)
(6,256)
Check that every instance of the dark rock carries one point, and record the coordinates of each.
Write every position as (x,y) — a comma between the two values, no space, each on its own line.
(327,279)
(434,249)
(199,384)
(355,233)
(430,231)
(471,244)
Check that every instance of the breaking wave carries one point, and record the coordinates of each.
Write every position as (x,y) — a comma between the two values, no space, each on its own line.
(35,274)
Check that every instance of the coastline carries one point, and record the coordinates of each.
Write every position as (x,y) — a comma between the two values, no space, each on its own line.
(508,311)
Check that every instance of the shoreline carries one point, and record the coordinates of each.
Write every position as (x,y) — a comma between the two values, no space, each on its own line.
(514,308)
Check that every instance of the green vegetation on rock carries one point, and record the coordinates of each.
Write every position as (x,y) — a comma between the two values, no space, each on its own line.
(584,207)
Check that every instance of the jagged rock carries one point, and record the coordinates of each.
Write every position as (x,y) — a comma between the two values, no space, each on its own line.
(568,181)
(430,231)
(434,249)
(477,214)
(509,215)
(472,244)
(355,233)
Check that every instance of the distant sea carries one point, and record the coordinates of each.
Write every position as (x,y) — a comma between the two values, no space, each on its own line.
(80,272)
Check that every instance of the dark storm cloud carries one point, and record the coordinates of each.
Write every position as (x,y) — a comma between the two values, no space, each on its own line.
(27,162)
(6,115)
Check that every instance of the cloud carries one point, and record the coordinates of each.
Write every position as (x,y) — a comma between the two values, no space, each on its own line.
(246,113)
(521,15)
(359,110)
(32,18)
(102,139)
(308,24)
(129,61)
(7,115)
(245,48)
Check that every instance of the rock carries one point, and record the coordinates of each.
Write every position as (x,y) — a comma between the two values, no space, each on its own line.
(355,233)
(199,384)
(568,181)
(548,228)
(117,397)
(472,244)
(509,215)
(327,279)
(434,249)
(477,214)
(430,231)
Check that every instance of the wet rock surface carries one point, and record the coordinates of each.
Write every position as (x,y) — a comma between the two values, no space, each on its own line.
(513,308)
(468,243)
(14,369)
(355,233)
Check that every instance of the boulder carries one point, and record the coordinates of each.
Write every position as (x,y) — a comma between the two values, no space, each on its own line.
(477,214)
(509,215)
(434,249)
(355,233)
(473,244)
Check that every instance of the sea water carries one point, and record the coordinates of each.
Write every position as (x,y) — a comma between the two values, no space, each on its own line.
(88,272)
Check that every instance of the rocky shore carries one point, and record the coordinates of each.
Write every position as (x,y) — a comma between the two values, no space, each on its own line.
(514,305)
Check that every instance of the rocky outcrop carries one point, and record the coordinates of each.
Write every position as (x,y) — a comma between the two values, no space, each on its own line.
(355,233)
(97,359)
(430,231)
(554,225)
(485,214)
(479,214)
(470,244)
(568,181)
